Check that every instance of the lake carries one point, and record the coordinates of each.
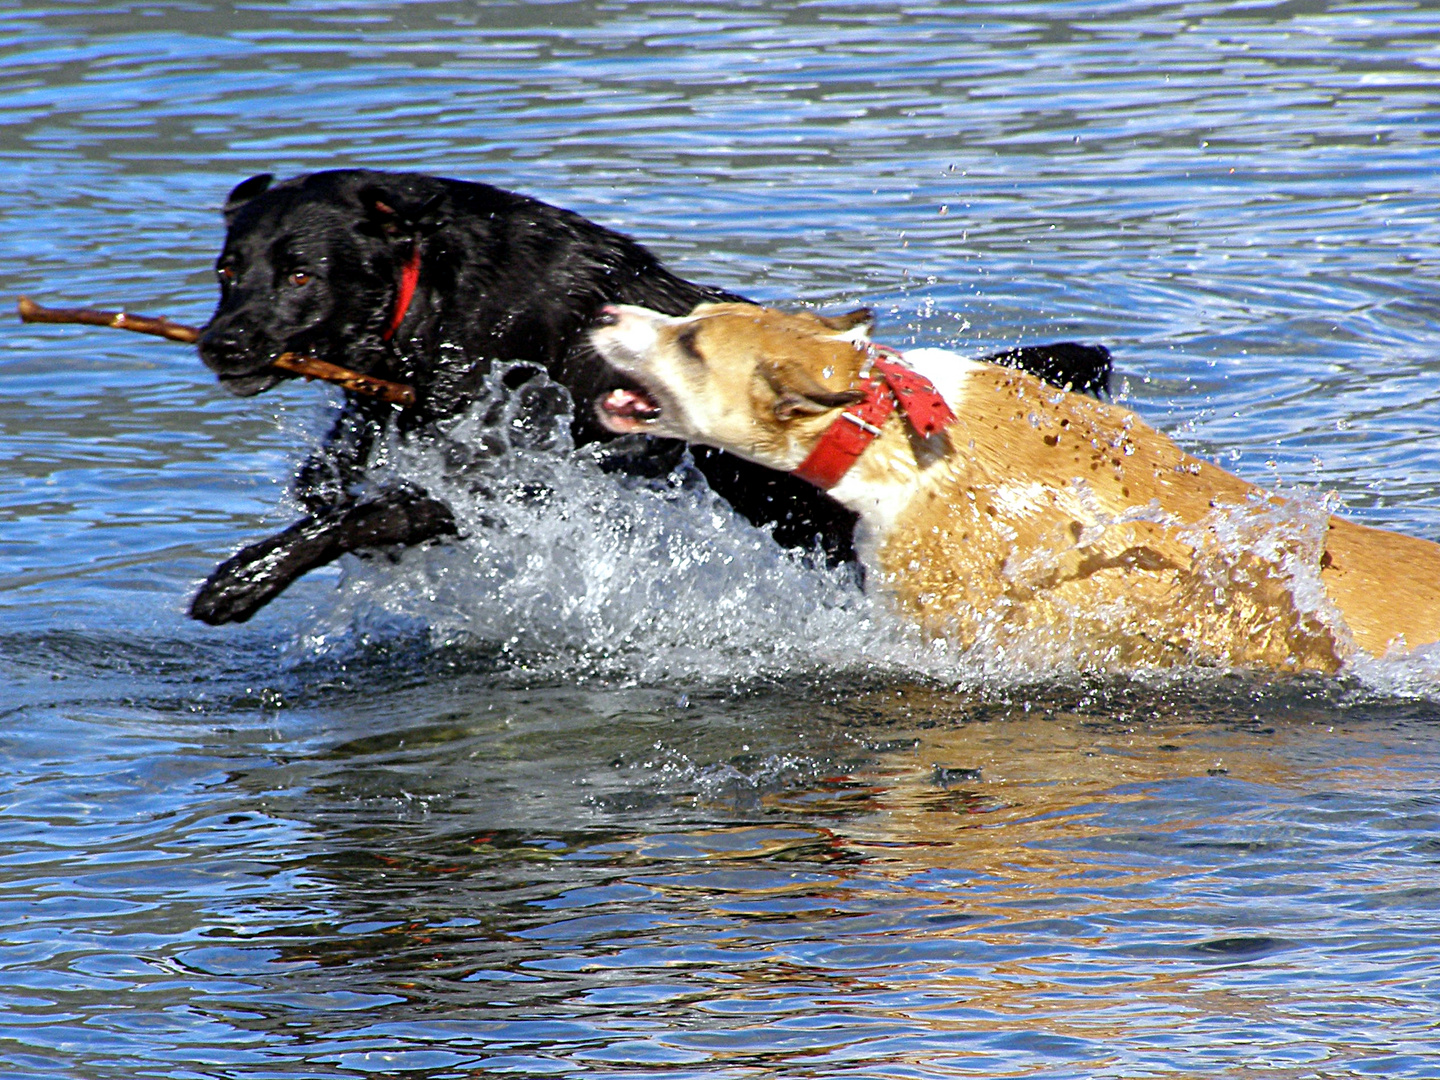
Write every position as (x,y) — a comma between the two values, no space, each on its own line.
(616,787)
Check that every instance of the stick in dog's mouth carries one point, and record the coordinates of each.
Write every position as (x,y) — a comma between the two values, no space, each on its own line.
(305,366)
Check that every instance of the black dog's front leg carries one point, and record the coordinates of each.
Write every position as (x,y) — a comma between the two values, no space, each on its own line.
(324,479)
(255,575)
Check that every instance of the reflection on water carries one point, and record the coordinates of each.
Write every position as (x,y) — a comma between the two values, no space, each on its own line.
(383,873)
(617,788)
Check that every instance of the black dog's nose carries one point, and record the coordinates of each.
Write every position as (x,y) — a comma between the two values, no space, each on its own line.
(223,348)
(234,351)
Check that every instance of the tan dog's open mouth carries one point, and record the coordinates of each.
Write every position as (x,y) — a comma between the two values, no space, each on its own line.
(627,409)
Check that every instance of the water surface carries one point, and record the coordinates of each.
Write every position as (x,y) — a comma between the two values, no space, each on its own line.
(617,788)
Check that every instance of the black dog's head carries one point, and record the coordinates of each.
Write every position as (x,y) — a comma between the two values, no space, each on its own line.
(313,266)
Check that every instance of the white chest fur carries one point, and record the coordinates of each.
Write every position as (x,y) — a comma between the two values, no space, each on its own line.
(887,477)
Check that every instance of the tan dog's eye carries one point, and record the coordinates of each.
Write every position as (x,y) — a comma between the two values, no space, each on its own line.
(686,341)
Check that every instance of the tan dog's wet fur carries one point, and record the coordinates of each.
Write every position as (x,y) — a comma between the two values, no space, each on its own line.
(1040,514)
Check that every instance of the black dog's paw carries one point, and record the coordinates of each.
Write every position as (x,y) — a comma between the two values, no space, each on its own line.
(537,408)
(530,410)
(233,593)
(255,575)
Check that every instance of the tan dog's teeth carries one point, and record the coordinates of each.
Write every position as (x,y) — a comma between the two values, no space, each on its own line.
(631,403)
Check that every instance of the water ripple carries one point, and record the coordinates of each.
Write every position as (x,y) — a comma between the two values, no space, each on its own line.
(706,813)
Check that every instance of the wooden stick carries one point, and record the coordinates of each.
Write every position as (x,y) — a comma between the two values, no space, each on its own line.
(121,320)
(306,366)
(393,392)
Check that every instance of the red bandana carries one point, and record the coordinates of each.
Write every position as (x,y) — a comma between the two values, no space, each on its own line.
(886,385)
(409,278)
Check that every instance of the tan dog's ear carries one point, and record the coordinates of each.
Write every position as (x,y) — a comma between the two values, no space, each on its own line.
(797,393)
(851,319)
(852,326)
(790,405)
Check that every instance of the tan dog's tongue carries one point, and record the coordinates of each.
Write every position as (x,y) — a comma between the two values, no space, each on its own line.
(630,403)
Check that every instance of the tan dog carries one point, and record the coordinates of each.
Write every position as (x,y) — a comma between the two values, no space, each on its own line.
(1035,514)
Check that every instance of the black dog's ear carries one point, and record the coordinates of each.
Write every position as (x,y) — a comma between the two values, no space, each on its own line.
(246,190)
(395,214)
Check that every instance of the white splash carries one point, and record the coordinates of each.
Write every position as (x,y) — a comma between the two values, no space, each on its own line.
(567,570)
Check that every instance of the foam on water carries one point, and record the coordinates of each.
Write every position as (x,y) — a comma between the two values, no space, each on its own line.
(569,569)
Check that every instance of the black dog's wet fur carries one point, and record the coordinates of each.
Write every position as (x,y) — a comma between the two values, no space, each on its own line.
(312,266)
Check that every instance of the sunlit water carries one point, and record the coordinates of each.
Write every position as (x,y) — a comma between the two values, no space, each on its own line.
(616,787)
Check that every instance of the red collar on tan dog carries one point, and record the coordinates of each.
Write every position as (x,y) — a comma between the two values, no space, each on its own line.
(886,385)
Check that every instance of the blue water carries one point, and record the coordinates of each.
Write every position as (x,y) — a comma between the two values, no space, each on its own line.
(618,788)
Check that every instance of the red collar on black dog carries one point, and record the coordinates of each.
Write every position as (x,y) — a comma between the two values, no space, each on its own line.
(409,278)
(886,384)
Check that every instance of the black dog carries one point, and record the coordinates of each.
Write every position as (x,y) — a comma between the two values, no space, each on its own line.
(429,282)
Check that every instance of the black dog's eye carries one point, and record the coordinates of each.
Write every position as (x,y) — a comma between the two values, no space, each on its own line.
(299,277)
(225,274)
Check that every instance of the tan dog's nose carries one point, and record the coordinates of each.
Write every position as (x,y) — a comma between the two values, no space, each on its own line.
(608,315)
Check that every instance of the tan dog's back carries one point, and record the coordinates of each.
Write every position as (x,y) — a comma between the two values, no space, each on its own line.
(1038,514)
(1386,584)
(1057,510)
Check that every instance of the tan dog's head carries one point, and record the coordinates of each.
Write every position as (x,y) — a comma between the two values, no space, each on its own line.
(754,381)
